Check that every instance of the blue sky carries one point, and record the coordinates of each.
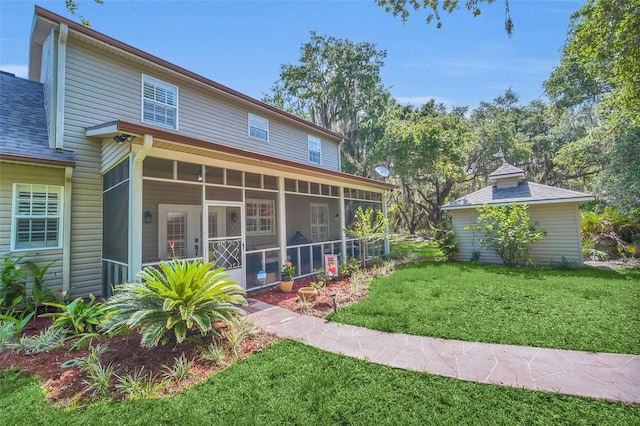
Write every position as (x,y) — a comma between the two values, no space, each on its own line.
(242,44)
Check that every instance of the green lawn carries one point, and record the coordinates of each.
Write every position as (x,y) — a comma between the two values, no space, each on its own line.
(421,250)
(584,309)
(293,384)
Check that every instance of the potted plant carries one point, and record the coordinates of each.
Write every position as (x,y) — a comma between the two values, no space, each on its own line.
(316,287)
(286,276)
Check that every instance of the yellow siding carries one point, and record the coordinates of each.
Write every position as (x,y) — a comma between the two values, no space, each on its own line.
(101,87)
(112,90)
(113,153)
(11,173)
(561,221)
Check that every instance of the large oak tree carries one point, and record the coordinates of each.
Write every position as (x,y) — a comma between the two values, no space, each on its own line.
(336,85)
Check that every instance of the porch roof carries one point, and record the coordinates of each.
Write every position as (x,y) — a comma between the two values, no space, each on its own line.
(113,128)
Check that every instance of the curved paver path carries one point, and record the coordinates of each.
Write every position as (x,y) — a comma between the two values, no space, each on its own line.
(614,377)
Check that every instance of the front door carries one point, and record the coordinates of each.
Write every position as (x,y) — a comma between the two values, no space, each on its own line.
(224,229)
(180,231)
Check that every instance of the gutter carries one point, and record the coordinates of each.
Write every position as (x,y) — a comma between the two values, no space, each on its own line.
(519,202)
(60,85)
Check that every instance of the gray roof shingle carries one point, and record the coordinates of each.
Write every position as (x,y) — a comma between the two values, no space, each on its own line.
(23,123)
(506,169)
(525,192)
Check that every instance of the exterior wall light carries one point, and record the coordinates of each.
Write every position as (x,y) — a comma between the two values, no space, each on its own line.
(123,137)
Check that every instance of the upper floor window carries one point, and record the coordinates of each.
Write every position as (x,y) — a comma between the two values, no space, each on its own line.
(258,128)
(37,216)
(314,150)
(159,102)
(260,217)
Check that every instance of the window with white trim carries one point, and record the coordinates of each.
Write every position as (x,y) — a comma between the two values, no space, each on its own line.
(258,128)
(314,149)
(260,217)
(159,102)
(37,216)
(319,222)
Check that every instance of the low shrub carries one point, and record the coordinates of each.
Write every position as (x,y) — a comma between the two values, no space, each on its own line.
(446,239)
(181,296)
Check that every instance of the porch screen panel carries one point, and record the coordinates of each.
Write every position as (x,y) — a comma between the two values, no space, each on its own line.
(115,216)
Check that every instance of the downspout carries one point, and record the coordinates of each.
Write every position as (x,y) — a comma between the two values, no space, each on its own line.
(343,235)
(60,85)
(282,225)
(135,209)
(386,226)
(66,232)
(579,235)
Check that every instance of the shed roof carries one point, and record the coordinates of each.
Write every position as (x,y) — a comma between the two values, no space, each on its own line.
(24,136)
(524,193)
(505,171)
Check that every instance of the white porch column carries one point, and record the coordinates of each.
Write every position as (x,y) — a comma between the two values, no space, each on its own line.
(66,232)
(282,220)
(135,209)
(386,227)
(343,235)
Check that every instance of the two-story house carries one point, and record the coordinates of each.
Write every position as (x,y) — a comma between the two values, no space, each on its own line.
(113,159)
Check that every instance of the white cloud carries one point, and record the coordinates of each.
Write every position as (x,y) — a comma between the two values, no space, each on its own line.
(18,70)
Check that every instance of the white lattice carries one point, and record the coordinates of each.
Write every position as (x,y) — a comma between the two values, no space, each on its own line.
(226,252)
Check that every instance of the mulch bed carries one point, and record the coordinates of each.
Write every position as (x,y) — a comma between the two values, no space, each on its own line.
(66,386)
(323,303)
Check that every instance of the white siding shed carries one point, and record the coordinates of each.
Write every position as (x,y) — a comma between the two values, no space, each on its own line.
(555,210)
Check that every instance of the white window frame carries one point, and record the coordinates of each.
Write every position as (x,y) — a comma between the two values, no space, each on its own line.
(53,210)
(258,217)
(316,225)
(314,145)
(168,104)
(260,124)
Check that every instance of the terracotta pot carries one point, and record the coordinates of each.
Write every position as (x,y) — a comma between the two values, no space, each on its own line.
(308,293)
(286,286)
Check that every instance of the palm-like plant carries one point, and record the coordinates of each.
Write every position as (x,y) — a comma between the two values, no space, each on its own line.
(181,296)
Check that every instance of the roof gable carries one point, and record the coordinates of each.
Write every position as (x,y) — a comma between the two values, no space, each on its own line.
(48,18)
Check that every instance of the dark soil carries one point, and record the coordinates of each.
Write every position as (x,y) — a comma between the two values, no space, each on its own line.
(64,386)
(323,303)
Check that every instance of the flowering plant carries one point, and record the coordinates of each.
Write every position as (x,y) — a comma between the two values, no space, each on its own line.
(288,270)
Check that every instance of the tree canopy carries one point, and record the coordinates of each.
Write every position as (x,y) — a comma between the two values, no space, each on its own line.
(72,7)
(336,85)
(600,60)
(434,7)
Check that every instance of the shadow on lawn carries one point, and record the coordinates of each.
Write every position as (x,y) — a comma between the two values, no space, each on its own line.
(534,273)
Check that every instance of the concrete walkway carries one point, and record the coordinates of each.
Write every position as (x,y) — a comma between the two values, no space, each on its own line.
(614,377)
